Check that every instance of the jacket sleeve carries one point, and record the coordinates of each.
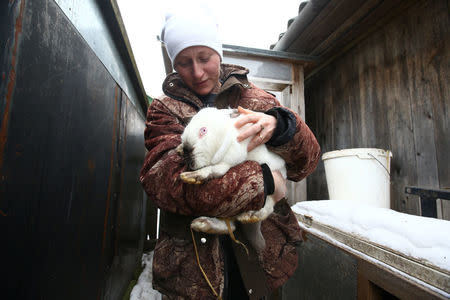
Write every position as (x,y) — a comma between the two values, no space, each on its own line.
(240,189)
(301,153)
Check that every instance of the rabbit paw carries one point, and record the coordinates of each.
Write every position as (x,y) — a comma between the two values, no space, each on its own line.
(192,177)
(211,225)
(249,217)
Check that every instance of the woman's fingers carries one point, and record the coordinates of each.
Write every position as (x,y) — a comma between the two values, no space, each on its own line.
(261,128)
(255,142)
(248,132)
(242,110)
(259,133)
(249,118)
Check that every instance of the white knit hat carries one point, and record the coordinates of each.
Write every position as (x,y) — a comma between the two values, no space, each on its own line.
(183,31)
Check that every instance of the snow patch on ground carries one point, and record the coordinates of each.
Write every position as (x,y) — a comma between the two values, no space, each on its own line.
(143,290)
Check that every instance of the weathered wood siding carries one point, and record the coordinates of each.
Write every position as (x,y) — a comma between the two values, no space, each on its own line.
(391,91)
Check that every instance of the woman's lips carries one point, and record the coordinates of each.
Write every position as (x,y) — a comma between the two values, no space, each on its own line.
(202,83)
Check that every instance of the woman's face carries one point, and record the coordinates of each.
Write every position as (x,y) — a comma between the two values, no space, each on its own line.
(199,67)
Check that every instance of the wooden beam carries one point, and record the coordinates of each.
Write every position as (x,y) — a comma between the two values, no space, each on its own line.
(298,189)
(371,276)
(269,84)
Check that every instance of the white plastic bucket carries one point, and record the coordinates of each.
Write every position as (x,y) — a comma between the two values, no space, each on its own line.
(359,174)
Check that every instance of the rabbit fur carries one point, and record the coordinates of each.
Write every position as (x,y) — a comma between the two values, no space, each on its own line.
(210,147)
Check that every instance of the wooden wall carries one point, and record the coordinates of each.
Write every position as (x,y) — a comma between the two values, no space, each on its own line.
(391,91)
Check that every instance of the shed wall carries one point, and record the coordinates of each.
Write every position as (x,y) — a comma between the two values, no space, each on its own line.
(390,91)
(71,147)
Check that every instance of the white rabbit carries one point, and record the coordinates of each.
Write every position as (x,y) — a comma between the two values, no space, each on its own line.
(209,145)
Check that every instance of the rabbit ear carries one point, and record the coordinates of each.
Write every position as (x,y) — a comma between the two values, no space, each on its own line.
(234,114)
(223,149)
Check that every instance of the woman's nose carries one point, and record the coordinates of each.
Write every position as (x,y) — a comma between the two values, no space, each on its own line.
(197,70)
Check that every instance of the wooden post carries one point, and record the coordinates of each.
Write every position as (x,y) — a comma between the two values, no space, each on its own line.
(298,190)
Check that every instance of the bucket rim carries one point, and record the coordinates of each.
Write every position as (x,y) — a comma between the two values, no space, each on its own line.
(356,152)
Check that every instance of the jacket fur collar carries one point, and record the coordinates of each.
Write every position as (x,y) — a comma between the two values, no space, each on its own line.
(232,79)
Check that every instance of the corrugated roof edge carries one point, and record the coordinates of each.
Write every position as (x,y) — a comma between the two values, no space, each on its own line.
(306,14)
(274,54)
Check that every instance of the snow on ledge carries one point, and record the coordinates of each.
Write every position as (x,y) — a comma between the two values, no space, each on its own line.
(418,237)
(374,260)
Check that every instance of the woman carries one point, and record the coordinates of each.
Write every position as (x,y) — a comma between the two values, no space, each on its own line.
(201,80)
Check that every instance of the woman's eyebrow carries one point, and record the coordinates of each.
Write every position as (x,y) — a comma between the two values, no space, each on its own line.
(205,52)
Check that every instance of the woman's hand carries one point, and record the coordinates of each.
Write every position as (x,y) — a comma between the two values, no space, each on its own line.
(280,186)
(262,129)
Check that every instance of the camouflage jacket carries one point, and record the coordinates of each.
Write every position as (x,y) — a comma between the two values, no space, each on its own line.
(175,270)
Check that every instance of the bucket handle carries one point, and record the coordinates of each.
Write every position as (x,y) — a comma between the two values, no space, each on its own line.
(389,173)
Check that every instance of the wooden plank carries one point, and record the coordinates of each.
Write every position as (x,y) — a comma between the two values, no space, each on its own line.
(285,100)
(298,91)
(269,84)
(367,290)
(382,124)
(367,93)
(293,97)
(354,104)
(326,122)
(398,112)
(418,45)
(298,105)
(363,288)
(446,210)
(341,103)
(316,184)
(326,114)
(437,66)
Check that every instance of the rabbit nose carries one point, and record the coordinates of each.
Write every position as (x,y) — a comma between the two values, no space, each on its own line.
(188,156)
(187,150)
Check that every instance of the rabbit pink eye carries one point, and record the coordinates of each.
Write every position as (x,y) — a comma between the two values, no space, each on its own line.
(202,131)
